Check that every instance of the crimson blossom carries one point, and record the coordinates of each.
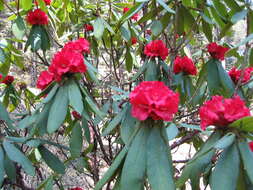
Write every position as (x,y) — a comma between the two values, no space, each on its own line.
(235,74)
(8,80)
(251,145)
(220,111)
(88,27)
(185,65)
(47,2)
(134,17)
(37,17)
(80,46)
(44,79)
(134,40)
(76,115)
(156,48)
(153,99)
(217,51)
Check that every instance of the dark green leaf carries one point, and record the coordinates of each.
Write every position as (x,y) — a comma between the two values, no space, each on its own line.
(58,110)
(207,29)
(165,6)
(18,28)
(159,166)
(227,167)
(172,131)
(51,94)
(156,27)
(244,124)
(129,60)
(2,170)
(76,141)
(251,58)
(17,156)
(51,160)
(225,141)
(75,97)
(10,168)
(125,32)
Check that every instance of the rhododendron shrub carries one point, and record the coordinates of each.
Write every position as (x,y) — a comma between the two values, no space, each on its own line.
(108,94)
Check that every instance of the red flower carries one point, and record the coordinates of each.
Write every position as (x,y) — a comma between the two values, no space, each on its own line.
(81,46)
(156,48)
(153,99)
(184,64)
(134,17)
(216,51)
(76,115)
(44,79)
(251,145)
(88,27)
(1,76)
(37,17)
(67,62)
(47,2)
(220,112)
(134,40)
(235,74)
(8,80)
(76,188)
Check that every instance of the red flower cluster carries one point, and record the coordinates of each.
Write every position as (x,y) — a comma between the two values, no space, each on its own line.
(37,17)
(47,2)
(217,51)
(68,60)
(156,48)
(76,115)
(235,74)
(88,27)
(7,80)
(220,112)
(184,64)
(153,99)
(251,145)
(134,40)
(134,17)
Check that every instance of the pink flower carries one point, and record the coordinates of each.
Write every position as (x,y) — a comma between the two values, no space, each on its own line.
(44,79)
(185,65)
(81,46)
(88,27)
(251,146)
(134,40)
(76,188)
(47,2)
(156,48)
(153,99)
(220,111)
(8,80)
(217,51)
(67,62)
(134,17)
(235,74)
(37,17)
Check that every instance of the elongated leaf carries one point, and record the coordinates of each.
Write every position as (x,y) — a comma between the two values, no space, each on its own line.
(76,141)
(129,60)
(171,131)
(51,160)
(244,124)
(239,16)
(5,116)
(251,58)
(159,166)
(51,94)
(156,28)
(137,7)
(207,29)
(226,168)
(18,28)
(246,156)
(17,156)
(244,41)
(26,4)
(98,27)
(2,170)
(10,168)
(116,120)
(58,110)
(225,141)
(133,172)
(165,6)
(141,70)
(75,97)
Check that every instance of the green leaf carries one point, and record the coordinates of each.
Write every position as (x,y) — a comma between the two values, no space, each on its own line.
(244,41)
(51,160)
(225,141)
(51,94)
(18,28)
(45,40)
(213,81)
(239,16)
(221,9)
(58,110)
(26,4)
(98,28)
(207,29)
(172,131)
(129,60)
(251,58)
(133,172)
(159,166)
(141,70)
(113,168)
(10,168)
(165,6)
(114,123)
(2,56)
(246,156)
(76,141)
(137,7)
(2,170)
(232,4)
(151,71)
(5,116)
(17,156)
(244,124)
(125,32)
(227,167)
(156,27)
(75,97)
